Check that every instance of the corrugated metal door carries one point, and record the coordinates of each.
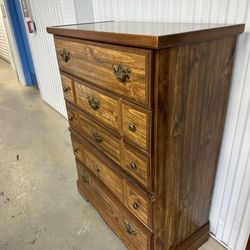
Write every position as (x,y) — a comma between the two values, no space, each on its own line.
(4,47)
(48,13)
(230,214)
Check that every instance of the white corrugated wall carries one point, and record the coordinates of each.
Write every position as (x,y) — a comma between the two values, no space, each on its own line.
(48,13)
(230,213)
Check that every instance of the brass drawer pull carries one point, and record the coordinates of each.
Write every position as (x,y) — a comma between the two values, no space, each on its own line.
(93,103)
(135,205)
(85,178)
(66,89)
(97,168)
(129,228)
(76,150)
(98,138)
(65,55)
(122,74)
(132,127)
(71,118)
(133,165)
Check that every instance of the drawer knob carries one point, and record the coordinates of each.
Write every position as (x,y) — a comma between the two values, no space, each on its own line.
(97,168)
(65,55)
(129,228)
(71,118)
(133,165)
(76,150)
(93,103)
(132,127)
(66,89)
(122,74)
(98,138)
(135,205)
(85,178)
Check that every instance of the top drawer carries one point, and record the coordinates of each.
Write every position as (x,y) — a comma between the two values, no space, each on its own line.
(125,71)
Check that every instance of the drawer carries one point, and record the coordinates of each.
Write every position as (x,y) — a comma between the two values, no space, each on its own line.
(68,88)
(137,165)
(77,148)
(101,65)
(110,179)
(97,104)
(138,203)
(132,232)
(101,138)
(72,115)
(136,126)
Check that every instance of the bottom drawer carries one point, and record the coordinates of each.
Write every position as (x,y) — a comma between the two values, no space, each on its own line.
(128,228)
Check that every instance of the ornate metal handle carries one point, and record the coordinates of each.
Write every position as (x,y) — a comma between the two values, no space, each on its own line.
(131,127)
(85,178)
(135,205)
(98,138)
(122,74)
(129,228)
(97,168)
(133,165)
(93,103)
(65,55)
(66,89)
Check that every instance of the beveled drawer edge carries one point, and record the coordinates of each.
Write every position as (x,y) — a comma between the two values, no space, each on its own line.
(113,166)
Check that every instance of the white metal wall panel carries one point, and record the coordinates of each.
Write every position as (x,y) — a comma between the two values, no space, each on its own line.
(230,212)
(4,48)
(49,13)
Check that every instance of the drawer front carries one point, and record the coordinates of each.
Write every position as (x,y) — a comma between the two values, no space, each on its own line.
(77,148)
(111,180)
(132,232)
(102,66)
(137,165)
(72,116)
(137,203)
(99,105)
(136,126)
(68,89)
(101,138)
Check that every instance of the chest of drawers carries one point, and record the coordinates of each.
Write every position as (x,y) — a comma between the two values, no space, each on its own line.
(146,105)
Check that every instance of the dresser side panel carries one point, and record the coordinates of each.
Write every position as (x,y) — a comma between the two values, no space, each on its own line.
(191,89)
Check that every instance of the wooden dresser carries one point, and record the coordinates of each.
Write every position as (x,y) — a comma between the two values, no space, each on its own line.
(146,105)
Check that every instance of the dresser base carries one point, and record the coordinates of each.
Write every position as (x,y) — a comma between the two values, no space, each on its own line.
(196,240)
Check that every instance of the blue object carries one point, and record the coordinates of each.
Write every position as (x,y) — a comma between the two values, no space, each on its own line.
(23,47)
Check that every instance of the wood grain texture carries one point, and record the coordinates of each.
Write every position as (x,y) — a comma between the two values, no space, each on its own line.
(141,121)
(138,204)
(68,89)
(108,110)
(138,166)
(109,144)
(191,92)
(94,62)
(147,34)
(113,212)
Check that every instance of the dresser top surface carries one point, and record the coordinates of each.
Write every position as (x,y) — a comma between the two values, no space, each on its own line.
(146,34)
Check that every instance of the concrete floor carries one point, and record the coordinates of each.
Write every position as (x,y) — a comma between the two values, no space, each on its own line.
(40,207)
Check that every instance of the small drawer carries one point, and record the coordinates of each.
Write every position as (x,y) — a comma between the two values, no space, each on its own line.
(101,138)
(119,69)
(68,88)
(77,148)
(111,180)
(137,165)
(136,126)
(72,116)
(135,235)
(138,203)
(97,104)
